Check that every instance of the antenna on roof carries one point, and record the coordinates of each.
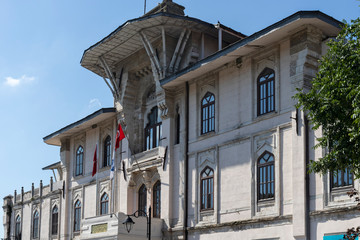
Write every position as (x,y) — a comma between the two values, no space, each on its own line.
(144,6)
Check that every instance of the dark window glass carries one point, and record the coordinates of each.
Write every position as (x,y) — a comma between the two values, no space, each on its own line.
(142,200)
(54,220)
(207,189)
(107,152)
(36,224)
(156,199)
(79,161)
(266,91)
(266,178)
(77,216)
(342,178)
(18,228)
(104,204)
(208,113)
(177,125)
(153,129)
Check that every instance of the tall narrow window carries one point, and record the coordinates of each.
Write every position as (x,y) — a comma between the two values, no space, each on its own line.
(342,178)
(156,199)
(142,200)
(266,179)
(35,227)
(177,126)
(107,152)
(207,189)
(208,113)
(79,161)
(77,216)
(104,204)
(266,91)
(153,129)
(54,220)
(18,228)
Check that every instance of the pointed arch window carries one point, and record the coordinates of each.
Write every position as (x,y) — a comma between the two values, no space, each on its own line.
(208,113)
(107,152)
(54,220)
(153,130)
(207,189)
(104,204)
(77,216)
(156,199)
(18,227)
(142,200)
(35,227)
(266,91)
(79,161)
(265,176)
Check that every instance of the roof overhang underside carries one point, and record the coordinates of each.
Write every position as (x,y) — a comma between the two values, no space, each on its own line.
(126,40)
(270,35)
(79,126)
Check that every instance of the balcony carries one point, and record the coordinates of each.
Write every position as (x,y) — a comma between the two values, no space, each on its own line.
(147,159)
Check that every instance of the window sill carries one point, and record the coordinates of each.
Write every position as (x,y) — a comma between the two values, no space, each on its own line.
(344,189)
(206,135)
(265,116)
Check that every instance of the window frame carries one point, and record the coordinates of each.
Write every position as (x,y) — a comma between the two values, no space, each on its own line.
(104,204)
(18,227)
(207,120)
(267,180)
(35,225)
(266,73)
(350,176)
(79,161)
(157,199)
(107,152)
(153,126)
(54,220)
(207,194)
(142,200)
(77,216)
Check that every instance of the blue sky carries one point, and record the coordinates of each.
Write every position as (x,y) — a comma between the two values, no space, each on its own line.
(43,87)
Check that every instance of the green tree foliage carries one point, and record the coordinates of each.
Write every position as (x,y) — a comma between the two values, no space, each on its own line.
(333,103)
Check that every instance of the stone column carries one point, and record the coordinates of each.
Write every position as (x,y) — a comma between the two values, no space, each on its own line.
(7,208)
(66,204)
(305,51)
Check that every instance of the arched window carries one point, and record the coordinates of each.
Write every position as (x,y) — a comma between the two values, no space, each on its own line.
(208,113)
(54,220)
(104,204)
(77,216)
(35,227)
(265,176)
(79,161)
(207,189)
(142,200)
(341,178)
(107,152)
(266,91)
(18,227)
(156,199)
(153,129)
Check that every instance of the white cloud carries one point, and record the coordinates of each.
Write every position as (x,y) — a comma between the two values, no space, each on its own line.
(14,82)
(94,104)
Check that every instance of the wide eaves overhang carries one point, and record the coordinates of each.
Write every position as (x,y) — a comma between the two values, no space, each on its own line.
(270,35)
(125,40)
(79,126)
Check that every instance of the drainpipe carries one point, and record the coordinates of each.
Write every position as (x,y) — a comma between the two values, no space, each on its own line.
(186,161)
(307,179)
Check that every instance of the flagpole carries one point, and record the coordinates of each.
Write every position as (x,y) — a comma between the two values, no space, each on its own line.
(144,7)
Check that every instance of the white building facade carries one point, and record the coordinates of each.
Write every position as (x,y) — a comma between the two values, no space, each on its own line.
(214,144)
